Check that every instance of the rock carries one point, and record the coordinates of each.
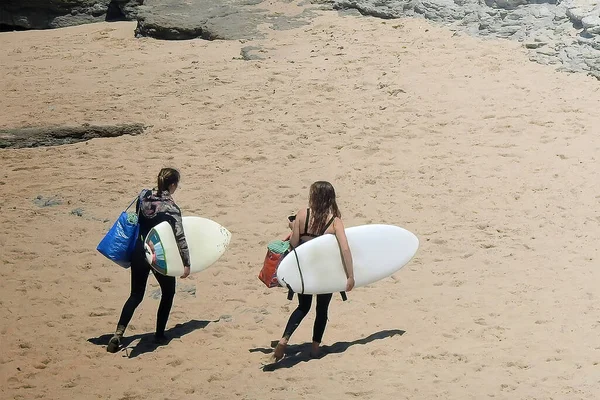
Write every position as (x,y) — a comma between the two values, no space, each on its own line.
(247,53)
(547,52)
(45,14)
(595,74)
(576,14)
(77,212)
(505,4)
(439,10)
(385,10)
(41,201)
(535,45)
(508,30)
(543,11)
(53,136)
(226,318)
(591,24)
(210,19)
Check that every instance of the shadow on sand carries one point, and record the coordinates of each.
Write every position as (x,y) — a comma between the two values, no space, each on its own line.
(144,343)
(295,354)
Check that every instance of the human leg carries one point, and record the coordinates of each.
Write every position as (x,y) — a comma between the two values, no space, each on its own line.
(167,288)
(139,278)
(322,309)
(304,303)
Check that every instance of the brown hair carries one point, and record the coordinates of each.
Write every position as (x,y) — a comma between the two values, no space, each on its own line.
(322,203)
(167,177)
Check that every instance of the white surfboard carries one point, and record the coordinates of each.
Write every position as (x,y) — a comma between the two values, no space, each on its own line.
(206,239)
(377,252)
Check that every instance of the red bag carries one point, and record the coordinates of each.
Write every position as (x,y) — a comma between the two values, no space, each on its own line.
(276,251)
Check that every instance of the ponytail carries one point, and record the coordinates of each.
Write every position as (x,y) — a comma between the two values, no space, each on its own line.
(166,178)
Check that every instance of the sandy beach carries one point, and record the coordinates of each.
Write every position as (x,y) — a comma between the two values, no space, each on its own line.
(487,157)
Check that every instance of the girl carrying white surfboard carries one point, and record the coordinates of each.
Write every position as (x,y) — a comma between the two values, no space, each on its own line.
(321,217)
(154,207)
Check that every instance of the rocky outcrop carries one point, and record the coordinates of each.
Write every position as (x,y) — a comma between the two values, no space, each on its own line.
(207,19)
(160,19)
(564,33)
(58,135)
(210,19)
(45,14)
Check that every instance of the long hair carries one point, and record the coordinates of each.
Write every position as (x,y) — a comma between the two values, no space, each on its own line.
(322,203)
(167,177)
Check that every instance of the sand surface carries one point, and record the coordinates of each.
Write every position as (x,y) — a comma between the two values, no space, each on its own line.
(489,158)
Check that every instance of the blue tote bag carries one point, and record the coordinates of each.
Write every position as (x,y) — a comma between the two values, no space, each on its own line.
(119,242)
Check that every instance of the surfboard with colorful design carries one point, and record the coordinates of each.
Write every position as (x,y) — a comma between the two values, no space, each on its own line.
(207,241)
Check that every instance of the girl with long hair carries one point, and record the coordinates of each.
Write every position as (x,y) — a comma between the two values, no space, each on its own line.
(321,217)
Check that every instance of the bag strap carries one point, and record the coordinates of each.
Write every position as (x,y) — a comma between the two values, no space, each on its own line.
(328,224)
(139,209)
(132,201)
(299,269)
(139,199)
(290,294)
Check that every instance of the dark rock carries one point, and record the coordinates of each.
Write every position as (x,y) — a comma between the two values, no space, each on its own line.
(53,136)
(45,14)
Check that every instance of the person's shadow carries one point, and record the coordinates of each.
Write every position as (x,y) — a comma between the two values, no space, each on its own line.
(144,343)
(295,354)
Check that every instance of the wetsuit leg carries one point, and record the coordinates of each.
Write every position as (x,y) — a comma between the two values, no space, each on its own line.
(304,302)
(167,288)
(139,277)
(321,319)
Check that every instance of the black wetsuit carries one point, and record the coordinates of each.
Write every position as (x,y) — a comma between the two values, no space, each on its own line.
(155,208)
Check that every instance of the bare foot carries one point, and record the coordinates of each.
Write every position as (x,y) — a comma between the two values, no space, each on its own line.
(280,350)
(315,352)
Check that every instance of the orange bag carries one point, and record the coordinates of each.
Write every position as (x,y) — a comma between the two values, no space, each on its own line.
(276,251)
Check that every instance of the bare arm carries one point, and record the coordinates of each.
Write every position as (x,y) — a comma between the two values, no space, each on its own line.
(340,235)
(295,239)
